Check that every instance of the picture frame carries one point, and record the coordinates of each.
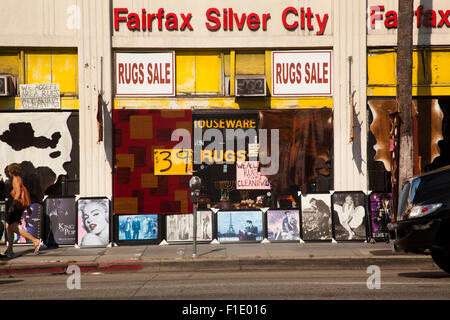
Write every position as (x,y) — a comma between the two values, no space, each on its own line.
(148,231)
(93,222)
(32,223)
(179,227)
(60,220)
(380,212)
(349,216)
(283,225)
(239,226)
(316,217)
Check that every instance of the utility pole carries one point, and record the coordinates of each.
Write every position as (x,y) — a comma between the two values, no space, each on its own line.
(404,89)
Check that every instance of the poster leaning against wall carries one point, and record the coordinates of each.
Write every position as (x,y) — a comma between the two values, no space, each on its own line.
(137,228)
(316,217)
(239,226)
(179,227)
(93,224)
(32,223)
(60,221)
(349,216)
(283,225)
(380,205)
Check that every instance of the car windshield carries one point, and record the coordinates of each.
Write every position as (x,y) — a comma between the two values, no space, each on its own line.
(429,186)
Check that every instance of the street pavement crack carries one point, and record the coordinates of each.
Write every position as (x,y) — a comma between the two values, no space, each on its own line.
(143,285)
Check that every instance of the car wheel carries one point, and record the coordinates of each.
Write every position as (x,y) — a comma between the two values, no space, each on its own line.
(442,259)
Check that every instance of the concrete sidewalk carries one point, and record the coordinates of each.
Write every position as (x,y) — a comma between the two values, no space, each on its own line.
(213,257)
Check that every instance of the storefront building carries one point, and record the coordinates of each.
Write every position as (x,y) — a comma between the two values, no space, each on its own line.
(152,92)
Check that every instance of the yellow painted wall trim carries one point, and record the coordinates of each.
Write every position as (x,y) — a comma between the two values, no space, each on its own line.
(391,91)
(67,103)
(232,71)
(223,103)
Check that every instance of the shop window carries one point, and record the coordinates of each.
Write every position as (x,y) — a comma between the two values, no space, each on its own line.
(431,134)
(381,68)
(222,185)
(428,75)
(53,67)
(10,63)
(199,73)
(304,162)
(250,62)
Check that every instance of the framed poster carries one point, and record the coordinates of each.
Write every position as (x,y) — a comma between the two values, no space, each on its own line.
(32,223)
(93,222)
(316,217)
(380,205)
(179,227)
(2,219)
(137,228)
(60,221)
(283,225)
(239,226)
(349,215)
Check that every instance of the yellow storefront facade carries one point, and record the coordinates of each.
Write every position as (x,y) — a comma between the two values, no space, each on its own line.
(331,140)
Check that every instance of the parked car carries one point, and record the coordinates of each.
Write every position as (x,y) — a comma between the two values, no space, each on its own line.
(423,217)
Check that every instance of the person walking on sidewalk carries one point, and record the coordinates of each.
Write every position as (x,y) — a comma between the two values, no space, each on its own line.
(13,215)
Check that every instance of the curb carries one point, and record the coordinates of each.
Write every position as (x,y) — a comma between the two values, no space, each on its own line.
(61,267)
(228,264)
(285,264)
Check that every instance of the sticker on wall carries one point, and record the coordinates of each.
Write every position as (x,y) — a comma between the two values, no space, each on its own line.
(60,221)
(316,217)
(349,216)
(283,225)
(380,215)
(93,222)
(239,226)
(180,226)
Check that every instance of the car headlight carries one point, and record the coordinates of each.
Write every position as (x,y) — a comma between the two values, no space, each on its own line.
(420,211)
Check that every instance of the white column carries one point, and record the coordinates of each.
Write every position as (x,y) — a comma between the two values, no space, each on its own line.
(94,45)
(350,38)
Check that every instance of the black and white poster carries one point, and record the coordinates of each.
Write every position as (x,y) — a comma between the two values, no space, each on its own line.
(93,222)
(283,225)
(316,217)
(45,144)
(349,216)
(179,227)
(60,221)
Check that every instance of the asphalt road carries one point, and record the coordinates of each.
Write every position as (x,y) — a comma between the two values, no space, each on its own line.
(255,285)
